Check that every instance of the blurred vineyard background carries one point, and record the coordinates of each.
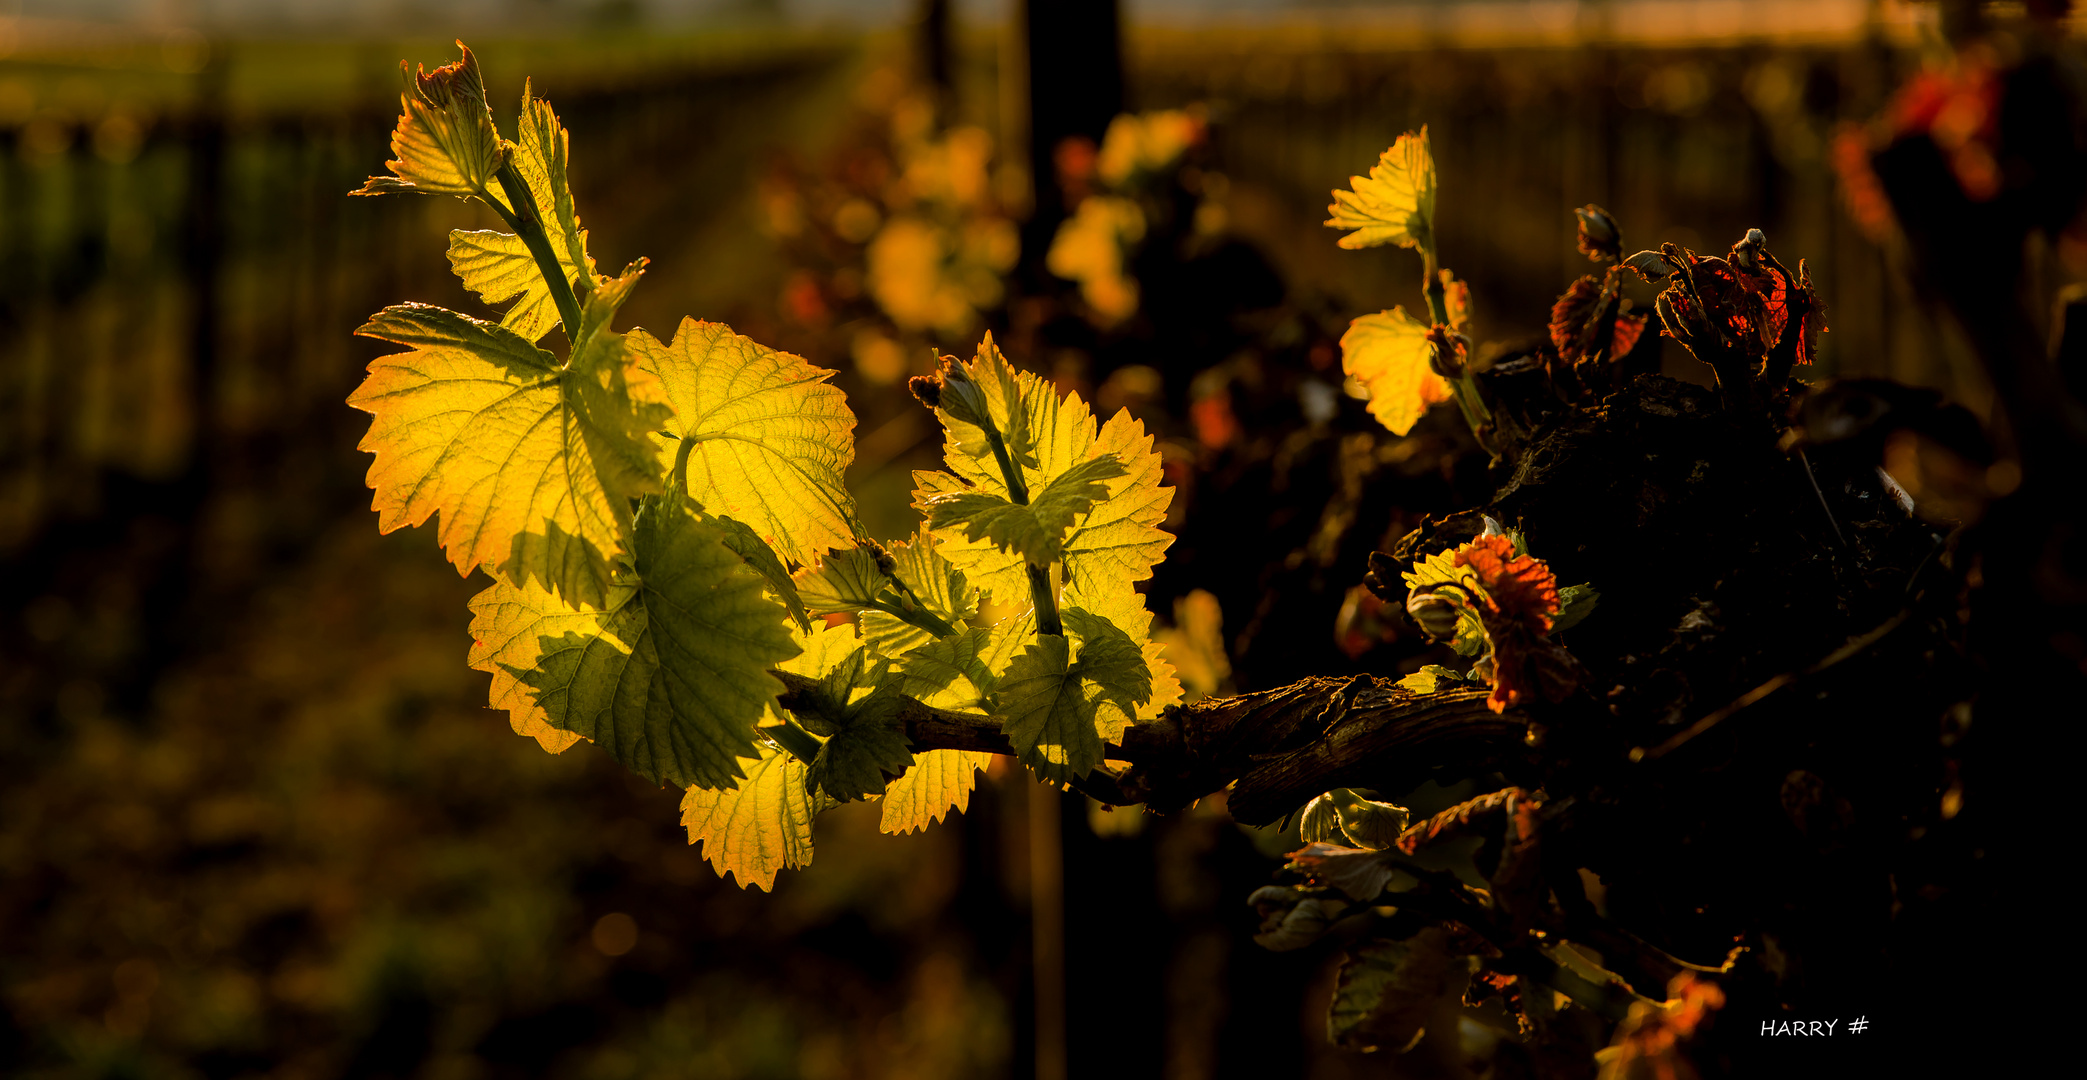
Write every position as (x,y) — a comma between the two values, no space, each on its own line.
(255,818)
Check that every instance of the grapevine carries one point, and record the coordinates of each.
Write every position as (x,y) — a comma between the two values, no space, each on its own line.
(680,578)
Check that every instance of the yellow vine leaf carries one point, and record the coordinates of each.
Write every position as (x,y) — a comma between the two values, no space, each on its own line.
(1125,609)
(767,441)
(760,826)
(1395,203)
(498,265)
(1117,539)
(822,650)
(1388,352)
(939,782)
(445,141)
(543,151)
(669,675)
(844,580)
(529,462)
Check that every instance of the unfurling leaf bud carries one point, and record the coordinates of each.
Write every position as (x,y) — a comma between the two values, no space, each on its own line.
(885,562)
(1446,352)
(960,398)
(1436,612)
(927,388)
(1600,240)
(1746,254)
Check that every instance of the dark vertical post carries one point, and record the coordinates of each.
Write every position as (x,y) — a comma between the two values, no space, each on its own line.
(1075,89)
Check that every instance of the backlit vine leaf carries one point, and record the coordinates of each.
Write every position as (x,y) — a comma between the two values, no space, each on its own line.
(670,676)
(1395,203)
(844,580)
(762,825)
(1035,531)
(1389,354)
(939,782)
(445,142)
(940,587)
(1051,695)
(541,154)
(1117,539)
(529,462)
(1388,991)
(1432,679)
(961,671)
(1518,587)
(766,440)
(1125,610)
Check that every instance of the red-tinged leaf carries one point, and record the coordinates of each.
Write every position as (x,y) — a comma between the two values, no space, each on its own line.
(1468,818)
(1628,327)
(1570,315)
(1517,587)
(1456,302)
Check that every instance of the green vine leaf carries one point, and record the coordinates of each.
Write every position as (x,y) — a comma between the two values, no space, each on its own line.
(868,748)
(1441,568)
(1051,696)
(670,676)
(1575,602)
(960,672)
(762,559)
(759,433)
(855,707)
(1035,531)
(473,420)
(1395,203)
(760,826)
(445,141)
(1125,609)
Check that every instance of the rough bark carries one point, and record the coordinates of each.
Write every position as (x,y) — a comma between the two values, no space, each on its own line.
(1274,748)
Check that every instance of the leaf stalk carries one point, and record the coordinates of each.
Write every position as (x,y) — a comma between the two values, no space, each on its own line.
(520,214)
(1041,596)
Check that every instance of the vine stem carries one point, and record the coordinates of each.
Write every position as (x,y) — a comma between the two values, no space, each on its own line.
(1462,388)
(520,214)
(1041,596)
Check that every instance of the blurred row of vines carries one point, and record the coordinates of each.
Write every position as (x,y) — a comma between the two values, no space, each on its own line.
(257,820)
